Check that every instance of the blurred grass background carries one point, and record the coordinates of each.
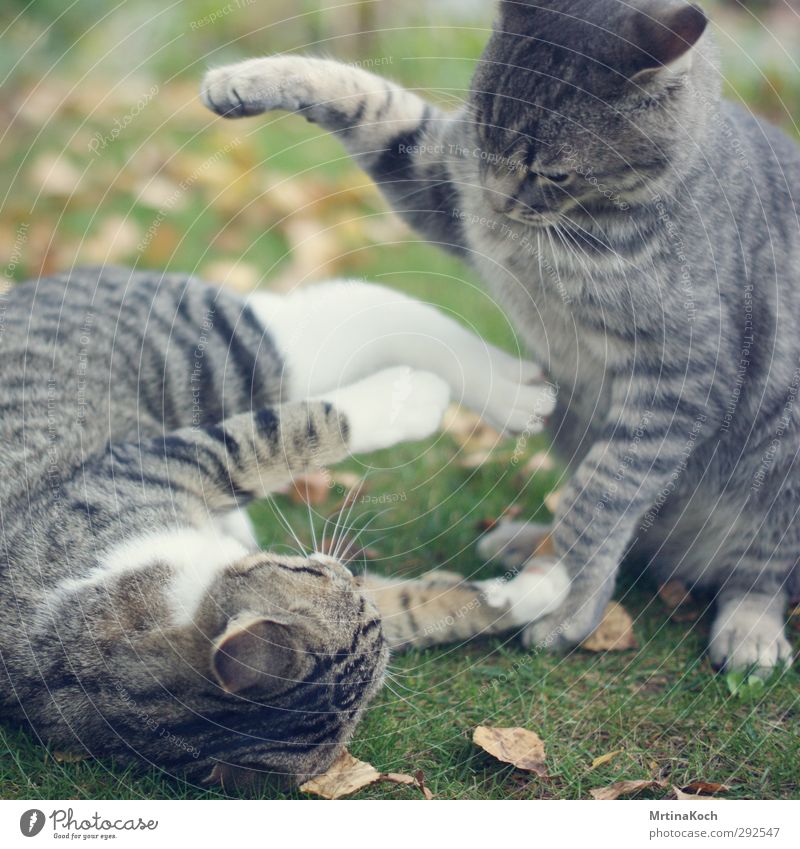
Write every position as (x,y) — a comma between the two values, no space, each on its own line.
(107,156)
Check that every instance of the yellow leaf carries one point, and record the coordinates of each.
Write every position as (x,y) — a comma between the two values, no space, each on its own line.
(606,758)
(345,776)
(520,747)
(614,633)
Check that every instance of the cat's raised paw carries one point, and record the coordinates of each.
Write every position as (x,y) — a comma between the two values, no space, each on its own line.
(253,86)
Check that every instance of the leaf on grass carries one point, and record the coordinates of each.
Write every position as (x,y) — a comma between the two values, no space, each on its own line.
(606,758)
(520,747)
(470,431)
(623,788)
(240,276)
(313,489)
(551,501)
(55,176)
(476,459)
(346,775)
(68,757)
(541,461)
(416,780)
(614,633)
(678,599)
(700,790)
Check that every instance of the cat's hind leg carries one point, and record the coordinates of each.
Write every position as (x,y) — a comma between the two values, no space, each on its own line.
(336,333)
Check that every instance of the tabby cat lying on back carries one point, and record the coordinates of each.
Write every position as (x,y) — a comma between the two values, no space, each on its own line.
(140,413)
(644,235)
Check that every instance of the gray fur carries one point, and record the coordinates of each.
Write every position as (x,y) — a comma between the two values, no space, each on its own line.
(643,234)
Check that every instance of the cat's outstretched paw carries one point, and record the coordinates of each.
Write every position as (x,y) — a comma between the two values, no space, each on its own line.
(395,405)
(746,636)
(512,543)
(537,590)
(258,85)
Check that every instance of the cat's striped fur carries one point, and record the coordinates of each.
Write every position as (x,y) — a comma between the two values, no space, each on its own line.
(644,236)
(139,413)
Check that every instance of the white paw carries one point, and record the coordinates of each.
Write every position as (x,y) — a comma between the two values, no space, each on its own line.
(512,543)
(392,406)
(255,86)
(508,393)
(538,590)
(745,636)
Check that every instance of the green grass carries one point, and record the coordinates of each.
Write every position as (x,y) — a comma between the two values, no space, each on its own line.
(662,705)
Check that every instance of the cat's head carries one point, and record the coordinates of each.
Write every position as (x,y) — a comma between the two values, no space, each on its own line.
(289,653)
(589,104)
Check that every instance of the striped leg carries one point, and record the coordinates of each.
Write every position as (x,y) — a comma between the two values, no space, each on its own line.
(401,141)
(647,440)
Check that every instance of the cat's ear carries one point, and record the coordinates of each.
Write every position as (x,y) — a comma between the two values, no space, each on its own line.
(257,653)
(664,38)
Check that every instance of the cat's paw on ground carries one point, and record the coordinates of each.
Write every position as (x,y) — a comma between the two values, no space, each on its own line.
(741,640)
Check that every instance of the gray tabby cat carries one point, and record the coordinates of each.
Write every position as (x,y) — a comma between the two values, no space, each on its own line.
(138,414)
(643,233)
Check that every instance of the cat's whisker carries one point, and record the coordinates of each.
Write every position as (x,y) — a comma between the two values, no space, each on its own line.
(354,495)
(286,523)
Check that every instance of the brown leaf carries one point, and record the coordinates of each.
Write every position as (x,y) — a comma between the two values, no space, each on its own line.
(345,776)
(470,431)
(678,599)
(623,788)
(417,780)
(517,746)
(614,633)
(606,758)
(312,489)
(700,789)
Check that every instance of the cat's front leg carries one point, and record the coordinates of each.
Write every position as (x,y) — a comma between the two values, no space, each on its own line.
(404,143)
(648,437)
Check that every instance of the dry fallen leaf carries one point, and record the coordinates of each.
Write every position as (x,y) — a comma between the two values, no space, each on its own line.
(312,489)
(701,789)
(678,599)
(606,758)
(545,548)
(68,757)
(623,788)
(517,746)
(346,775)
(541,461)
(470,431)
(614,633)
(551,501)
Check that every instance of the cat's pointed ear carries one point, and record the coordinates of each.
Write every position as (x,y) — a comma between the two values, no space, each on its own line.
(664,40)
(257,653)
